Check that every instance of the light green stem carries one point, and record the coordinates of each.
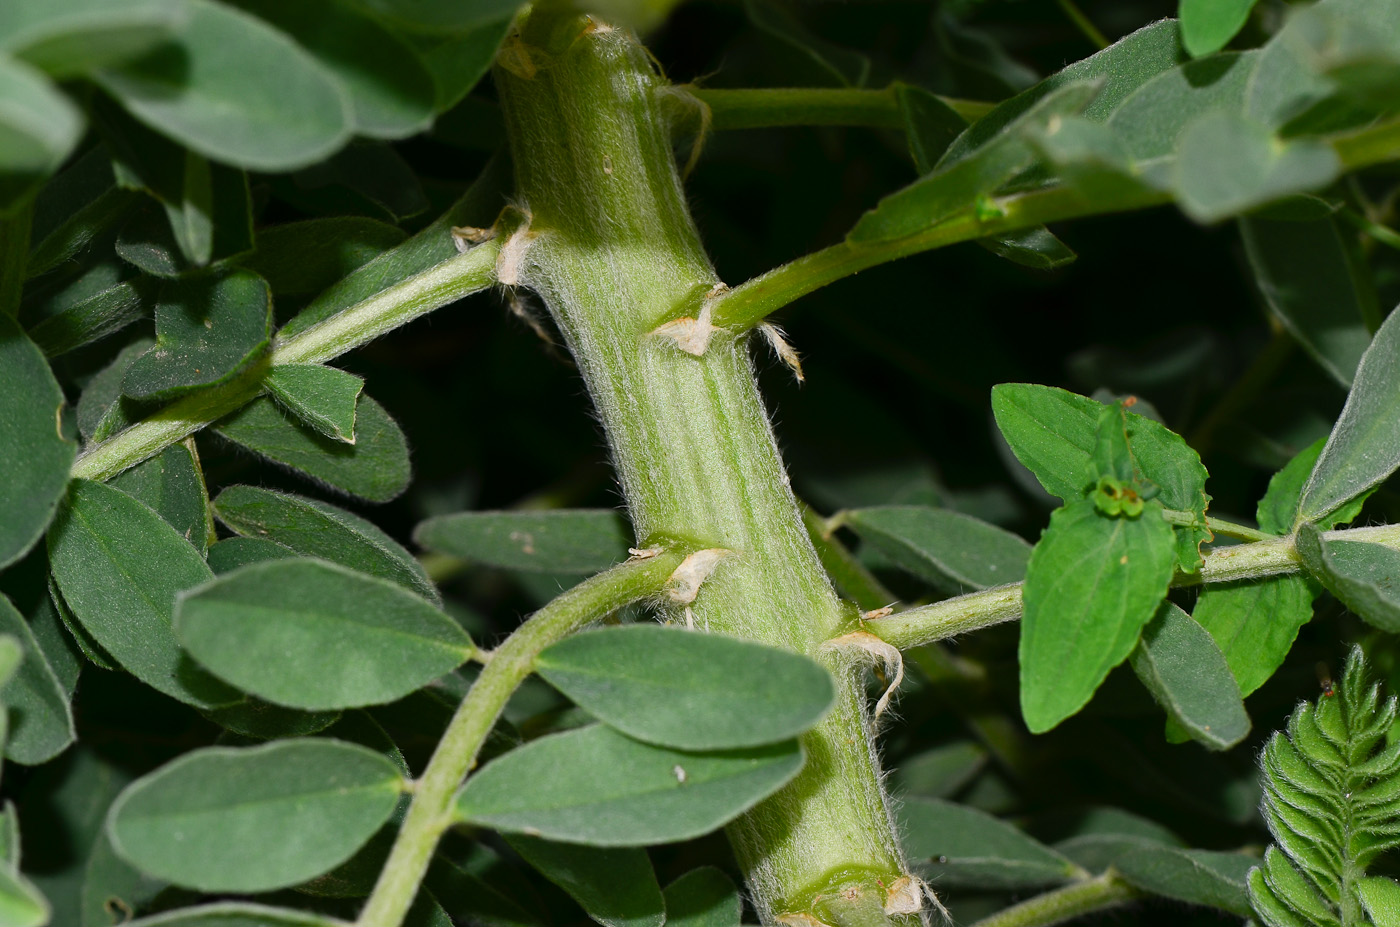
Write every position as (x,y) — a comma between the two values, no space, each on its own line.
(431,810)
(813,106)
(1217,525)
(1087,897)
(348,329)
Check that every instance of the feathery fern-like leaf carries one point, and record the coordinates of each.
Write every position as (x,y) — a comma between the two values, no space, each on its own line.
(1332,803)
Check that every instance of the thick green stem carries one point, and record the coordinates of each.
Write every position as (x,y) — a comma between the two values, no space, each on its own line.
(812,106)
(612,250)
(430,813)
(1087,897)
(352,327)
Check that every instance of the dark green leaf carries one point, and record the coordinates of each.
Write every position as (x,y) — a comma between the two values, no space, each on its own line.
(110,884)
(930,125)
(375,467)
(207,219)
(1364,447)
(620,792)
(942,771)
(1052,432)
(60,651)
(966,847)
(236,914)
(173,485)
(473,892)
(1035,248)
(839,66)
(617,887)
(73,209)
(1092,584)
(75,37)
(1254,623)
(703,897)
(685,689)
(231,553)
(308,256)
(100,407)
(263,721)
(1187,674)
(391,92)
(460,60)
(254,819)
(1317,285)
(954,552)
(119,566)
(40,719)
(1195,876)
(1366,577)
(439,16)
(89,319)
(317,529)
(321,397)
(208,329)
(235,89)
(31,406)
(79,635)
(1151,119)
(309,634)
(1207,25)
(40,126)
(365,176)
(555,541)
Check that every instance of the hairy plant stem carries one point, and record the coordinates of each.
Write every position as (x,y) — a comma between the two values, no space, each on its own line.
(430,813)
(1096,894)
(771,107)
(613,252)
(348,329)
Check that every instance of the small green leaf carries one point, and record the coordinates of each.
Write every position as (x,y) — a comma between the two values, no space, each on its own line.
(942,771)
(78,36)
(1366,577)
(316,636)
(60,652)
(263,721)
(89,319)
(205,219)
(1092,584)
(1317,285)
(685,689)
(954,552)
(102,411)
(231,553)
(1364,447)
(21,904)
(286,113)
(119,567)
(41,719)
(961,846)
(1228,164)
(1254,623)
(173,485)
(1381,898)
(41,127)
(306,257)
(84,641)
(458,61)
(1182,667)
(111,883)
(555,541)
(236,914)
(321,397)
(703,897)
(463,890)
(1201,877)
(375,467)
(251,820)
(1152,118)
(39,457)
(620,792)
(617,887)
(208,329)
(318,529)
(73,209)
(1035,248)
(1207,25)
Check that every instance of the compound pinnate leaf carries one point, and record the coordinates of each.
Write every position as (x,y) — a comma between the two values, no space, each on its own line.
(119,566)
(557,541)
(1207,25)
(322,397)
(254,819)
(319,529)
(40,717)
(236,90)
(703,897)
(1199,877)
(967,847)
(1254,623)
(31,404)
(236,914)
(1364,447)
(41,127)
(312,635)
(1366,577)
(689,690)
(617,886)
(1094,581)
(619,791)
(953,551)
(375,467)
(68,39)
(1182,667)
(172,485)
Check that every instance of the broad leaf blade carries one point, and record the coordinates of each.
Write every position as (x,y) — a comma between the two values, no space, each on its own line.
(1207,25)
(1199,877)
(703,897)
(251,820)
(966,847)
(72,38)
(308,256)
(1187,674)
(953,551)
(556,541)
(21,904)
(1366,577)
(620,792)
(41,127)
(172,485)
(1254,623)
(40,717)
(689,690)
(617,887)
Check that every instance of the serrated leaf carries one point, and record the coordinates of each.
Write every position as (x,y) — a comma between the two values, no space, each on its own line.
(1254,623)
(1187,674)
(953,551)
(1316,284)
(172,484)
(688,690)
(40,717)
(555,541)
(254,819)
(616,886)
(308,256)
(1201,877)
(1092,584)
(73,38)
(31,406)
(321,397)
(703,897)
(1366,577)
(1364,446)
(316,636)
(1207,25)
(375,467)
(41,127)
(620,792)
(962,846)
(318,529)
(119,567)
(286,112)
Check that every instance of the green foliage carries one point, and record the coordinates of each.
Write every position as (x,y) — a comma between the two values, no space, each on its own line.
(571,541)
(1182,667)
(970,847)
(947,549)
(322,398)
